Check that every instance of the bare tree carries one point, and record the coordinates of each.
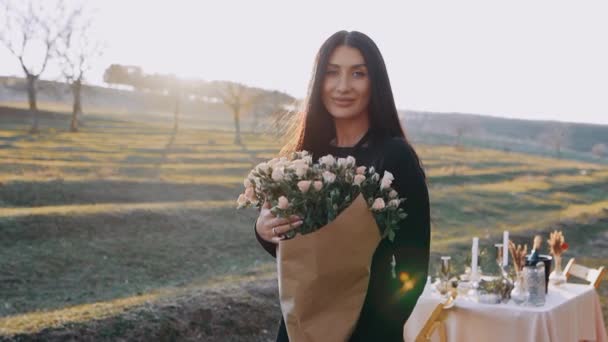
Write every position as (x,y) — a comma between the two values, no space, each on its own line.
(556,136)
(165,85)
(176,91)
(269,111)
(30,32)
(239,99)
(76,49)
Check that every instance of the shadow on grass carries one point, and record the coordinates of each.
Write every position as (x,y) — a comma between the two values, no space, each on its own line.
(238,308)
(51,262)
(59,192)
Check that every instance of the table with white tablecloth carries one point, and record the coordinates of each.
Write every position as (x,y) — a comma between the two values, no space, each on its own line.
(571,313)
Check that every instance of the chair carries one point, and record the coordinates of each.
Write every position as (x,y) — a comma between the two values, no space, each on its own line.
(592,275)
(435,323)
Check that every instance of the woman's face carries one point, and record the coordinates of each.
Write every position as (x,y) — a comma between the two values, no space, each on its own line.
(346,85)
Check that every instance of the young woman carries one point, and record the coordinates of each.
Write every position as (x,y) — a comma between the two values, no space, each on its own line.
(350,110)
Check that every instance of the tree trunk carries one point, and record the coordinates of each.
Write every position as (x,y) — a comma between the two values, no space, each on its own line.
(77,107)
(237,127)
(256,122)
(176,114)
(31,96)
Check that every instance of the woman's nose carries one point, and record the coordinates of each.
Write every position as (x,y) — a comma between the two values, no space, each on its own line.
(343,84)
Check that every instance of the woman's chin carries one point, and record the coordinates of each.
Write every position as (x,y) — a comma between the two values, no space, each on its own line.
(344,113)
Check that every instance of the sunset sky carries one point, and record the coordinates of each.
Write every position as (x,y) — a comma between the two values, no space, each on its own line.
(524,59)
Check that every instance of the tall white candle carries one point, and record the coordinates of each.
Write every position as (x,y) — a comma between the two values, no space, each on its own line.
(505,248)
(474,253)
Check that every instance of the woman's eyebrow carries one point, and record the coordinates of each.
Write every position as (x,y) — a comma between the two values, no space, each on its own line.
(352,66)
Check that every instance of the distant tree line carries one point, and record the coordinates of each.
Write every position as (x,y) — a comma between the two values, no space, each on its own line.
(237,97)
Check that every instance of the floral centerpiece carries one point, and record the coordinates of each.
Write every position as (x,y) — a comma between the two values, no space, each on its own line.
(519,294)
(557,246)
(518,254)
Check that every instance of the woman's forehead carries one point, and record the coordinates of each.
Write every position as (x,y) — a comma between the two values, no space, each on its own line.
(346,56)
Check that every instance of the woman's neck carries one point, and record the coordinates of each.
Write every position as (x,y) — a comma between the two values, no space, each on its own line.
(349,132)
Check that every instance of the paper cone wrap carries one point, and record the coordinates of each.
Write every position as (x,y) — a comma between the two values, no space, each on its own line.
(323,276)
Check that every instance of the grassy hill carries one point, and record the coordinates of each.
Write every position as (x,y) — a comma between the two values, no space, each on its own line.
(528,136)
(125,230)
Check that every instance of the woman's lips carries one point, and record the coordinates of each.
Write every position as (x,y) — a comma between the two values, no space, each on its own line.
(343,102)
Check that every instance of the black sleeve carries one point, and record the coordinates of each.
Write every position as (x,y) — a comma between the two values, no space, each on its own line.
(411,246)
(270,247)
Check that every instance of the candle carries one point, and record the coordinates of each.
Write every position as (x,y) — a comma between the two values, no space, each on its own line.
(474,252)
(505,248)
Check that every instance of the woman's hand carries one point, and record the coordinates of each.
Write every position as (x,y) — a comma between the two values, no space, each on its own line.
(271,228)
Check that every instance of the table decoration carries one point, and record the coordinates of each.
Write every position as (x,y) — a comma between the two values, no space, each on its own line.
(505,251)
(506,283)
(535,257)
(535,281)
(557,246)
(519,293)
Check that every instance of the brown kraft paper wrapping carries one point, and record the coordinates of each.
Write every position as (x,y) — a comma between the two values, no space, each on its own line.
(323,276)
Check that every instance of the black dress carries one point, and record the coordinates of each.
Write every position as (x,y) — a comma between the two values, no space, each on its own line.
(387,306)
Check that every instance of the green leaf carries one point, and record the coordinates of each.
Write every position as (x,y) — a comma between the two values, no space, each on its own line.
(391,235)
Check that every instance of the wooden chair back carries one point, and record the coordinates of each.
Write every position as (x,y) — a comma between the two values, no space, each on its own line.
(435,323)
(592,275)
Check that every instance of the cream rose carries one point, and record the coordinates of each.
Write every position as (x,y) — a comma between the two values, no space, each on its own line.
(318,185)
(358,179)
(278,174)
(283,203)
(350,161)
(327,160)
(378,204)
(263,167)
(387,180)
(304,185)
(393,194)
(329,177)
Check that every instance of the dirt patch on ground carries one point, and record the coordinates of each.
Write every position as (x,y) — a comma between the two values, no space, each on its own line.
(247,311)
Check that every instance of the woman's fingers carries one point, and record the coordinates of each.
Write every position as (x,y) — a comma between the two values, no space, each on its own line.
(282,229)
(278,221)
(278,238)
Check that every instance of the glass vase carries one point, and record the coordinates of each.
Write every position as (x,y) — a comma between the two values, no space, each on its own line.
(506,285)
(519,294)
(557,277)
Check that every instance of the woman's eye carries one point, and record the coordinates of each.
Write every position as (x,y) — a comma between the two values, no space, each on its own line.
(331,72)
(359,74)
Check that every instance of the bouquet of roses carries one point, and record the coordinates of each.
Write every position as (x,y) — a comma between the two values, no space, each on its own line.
(323,273)
(319,192)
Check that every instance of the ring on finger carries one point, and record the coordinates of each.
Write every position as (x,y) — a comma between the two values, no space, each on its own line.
(274,231)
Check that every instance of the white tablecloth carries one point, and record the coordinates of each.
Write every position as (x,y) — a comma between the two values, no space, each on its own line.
(571,313)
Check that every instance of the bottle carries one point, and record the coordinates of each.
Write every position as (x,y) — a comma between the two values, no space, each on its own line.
(534,256)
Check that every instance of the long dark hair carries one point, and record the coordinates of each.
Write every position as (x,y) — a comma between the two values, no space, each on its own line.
(315,126)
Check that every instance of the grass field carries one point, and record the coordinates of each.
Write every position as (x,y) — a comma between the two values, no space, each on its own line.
(124,214)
